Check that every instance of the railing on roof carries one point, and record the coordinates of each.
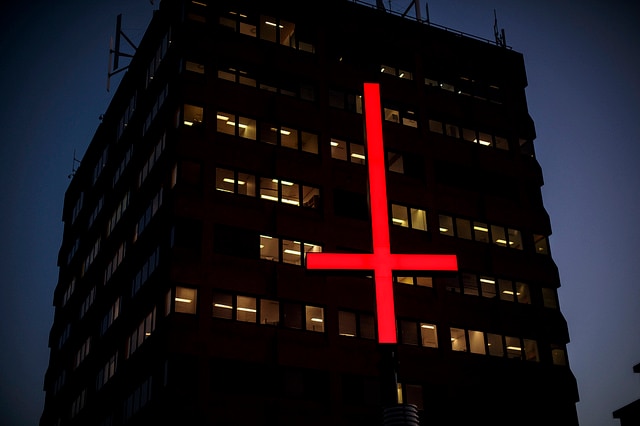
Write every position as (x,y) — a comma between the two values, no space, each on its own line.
(428,22)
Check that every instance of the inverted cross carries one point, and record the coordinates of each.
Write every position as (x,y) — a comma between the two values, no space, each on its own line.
(382,262)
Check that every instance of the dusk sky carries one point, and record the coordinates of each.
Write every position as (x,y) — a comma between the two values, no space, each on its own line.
(583,66)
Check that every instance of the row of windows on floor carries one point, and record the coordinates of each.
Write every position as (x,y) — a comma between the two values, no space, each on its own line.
(288,192)
(290,137)
(351,324)
(284,32)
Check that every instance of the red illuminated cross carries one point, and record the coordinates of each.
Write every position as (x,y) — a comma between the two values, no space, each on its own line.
(381,261)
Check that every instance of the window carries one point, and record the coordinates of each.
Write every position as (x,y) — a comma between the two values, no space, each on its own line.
(269,312)
(458,340)
(246,309)
(222,306)
(476,342)
(495,345)
(488,287)
(446,225)
(541,244)
(558,355)
(231,124)
(269,249)
(395,162)
(428,335)
(514,347)
(347,324)
(193,115)
(185,300)
(194,67)
(408,217)
(352,324)
(415,280)
(314,318)
(409,332)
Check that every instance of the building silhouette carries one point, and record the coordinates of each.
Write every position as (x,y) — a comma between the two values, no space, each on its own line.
(234,146)
(629,414)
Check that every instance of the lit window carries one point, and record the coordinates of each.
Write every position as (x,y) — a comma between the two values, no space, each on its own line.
(185,300)
(515,239)
(541,244)
(269,248)
(246,184)
(514,347)
(357,153)
(290,193)
(392,115)
(505,287)
(193,115)
(481,232)
(424,281)
(289,137)
(246,309)
(339,149)
(269,189)
(225,180)
(399,215)
(222,306)
(498,235)
(488,286)
(287,33)
(476,342)
(446,225)
(310,197)
(291,252)
(314,318)
(428,335)
(226,123)
(458,340)
(311,248)
(418,219)
(247,128)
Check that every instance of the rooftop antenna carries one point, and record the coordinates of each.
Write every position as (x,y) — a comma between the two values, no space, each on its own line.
(416,4)
(501,39)
(116,53)
(73,166)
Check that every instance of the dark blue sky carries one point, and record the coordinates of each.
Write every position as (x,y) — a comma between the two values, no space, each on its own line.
(583,66)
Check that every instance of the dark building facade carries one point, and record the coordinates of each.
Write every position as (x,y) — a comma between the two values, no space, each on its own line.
(233,146)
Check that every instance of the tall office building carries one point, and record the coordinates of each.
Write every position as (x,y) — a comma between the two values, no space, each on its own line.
(233,147)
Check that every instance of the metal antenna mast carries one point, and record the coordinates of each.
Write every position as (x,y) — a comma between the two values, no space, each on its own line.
(116,53)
